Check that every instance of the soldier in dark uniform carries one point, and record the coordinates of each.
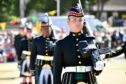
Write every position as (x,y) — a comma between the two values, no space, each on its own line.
(118,51)
(17,39)
(78,69)
(24,54)
(42,54)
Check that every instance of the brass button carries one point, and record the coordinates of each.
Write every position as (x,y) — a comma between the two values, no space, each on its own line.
(79,34)
(78,56)
(46,53)
(77,50)
(73,34)
(47,38)
(77,39)
(81,83)
(46,50)
(79,62)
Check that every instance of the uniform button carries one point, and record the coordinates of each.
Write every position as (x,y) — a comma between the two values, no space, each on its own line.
(46,53)
(47,38)
(46,47)
(77,39)
(79,34)
(76,44)
(77,50)
(78,56)
(73,34)
(46,50)
(79,62)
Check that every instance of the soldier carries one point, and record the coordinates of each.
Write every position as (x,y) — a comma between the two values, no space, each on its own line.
(24,54)
(42,54)
(78,69)
(17,39)
(119,50)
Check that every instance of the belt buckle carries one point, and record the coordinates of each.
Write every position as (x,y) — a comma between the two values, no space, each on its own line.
(81,83)
(80,69)
(28,53)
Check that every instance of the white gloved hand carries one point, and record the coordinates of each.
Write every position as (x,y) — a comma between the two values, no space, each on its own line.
(99,65)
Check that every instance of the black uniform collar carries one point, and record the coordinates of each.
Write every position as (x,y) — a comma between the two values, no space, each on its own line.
(76,34)
(30,39)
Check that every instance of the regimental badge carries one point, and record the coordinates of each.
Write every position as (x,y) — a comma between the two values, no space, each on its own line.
(81,83)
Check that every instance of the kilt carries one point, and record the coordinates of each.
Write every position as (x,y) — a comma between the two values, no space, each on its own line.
(78,78)
(43,75)
(24,69)
(37,73)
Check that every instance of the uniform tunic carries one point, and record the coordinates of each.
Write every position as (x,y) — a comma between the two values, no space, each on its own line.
(25,46)
(67,54)
(43,47)
(17,42)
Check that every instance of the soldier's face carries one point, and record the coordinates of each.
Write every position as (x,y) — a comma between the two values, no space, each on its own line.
(75,23)
(46,31)
(29,34)
(22,32)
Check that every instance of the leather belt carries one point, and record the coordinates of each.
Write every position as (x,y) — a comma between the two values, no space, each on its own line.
(46,58)
(78,69)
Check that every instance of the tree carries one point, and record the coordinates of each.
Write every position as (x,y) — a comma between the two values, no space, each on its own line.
(8,9)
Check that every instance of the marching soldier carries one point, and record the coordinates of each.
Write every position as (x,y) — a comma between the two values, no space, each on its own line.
(119,50)
(78,69)
(24,54)
(42,54)
(17,42)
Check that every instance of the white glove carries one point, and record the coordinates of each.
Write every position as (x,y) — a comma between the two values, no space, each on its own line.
(99,65)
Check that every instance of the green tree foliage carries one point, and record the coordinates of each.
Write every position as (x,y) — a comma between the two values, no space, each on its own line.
(48,5)
(40,6)
(8,9)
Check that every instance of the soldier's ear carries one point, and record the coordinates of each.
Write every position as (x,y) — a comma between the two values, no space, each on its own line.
(68,21)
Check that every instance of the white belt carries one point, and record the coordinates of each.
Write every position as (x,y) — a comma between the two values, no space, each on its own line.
(26,52)
(46,58)
(78,69)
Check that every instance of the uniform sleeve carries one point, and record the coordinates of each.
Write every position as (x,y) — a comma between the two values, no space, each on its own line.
(33,55)
(15,41)
(58,64)
(20,49)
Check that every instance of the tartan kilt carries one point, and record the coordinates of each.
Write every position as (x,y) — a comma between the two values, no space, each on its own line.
(78,78)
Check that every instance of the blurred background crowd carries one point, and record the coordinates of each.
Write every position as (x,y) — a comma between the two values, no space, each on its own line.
(106,19)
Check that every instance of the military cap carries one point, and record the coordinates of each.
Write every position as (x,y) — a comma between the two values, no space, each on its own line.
(75,11)
(28,27)
(21,27)
(45,21)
